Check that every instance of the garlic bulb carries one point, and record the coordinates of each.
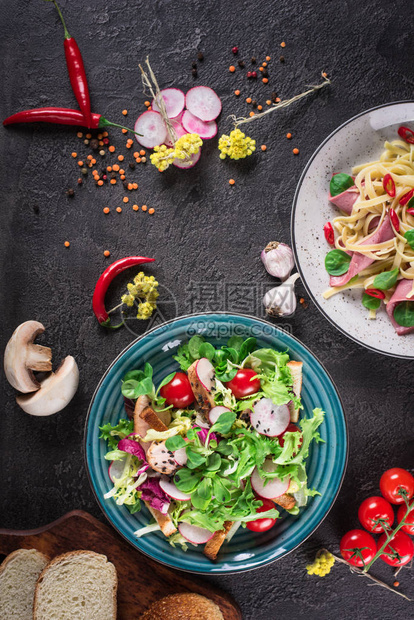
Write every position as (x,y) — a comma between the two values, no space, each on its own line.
(281,300)
(278,259)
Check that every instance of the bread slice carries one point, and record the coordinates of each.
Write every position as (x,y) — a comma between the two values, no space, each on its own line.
(18,575)
(78,584)
(163,520)
(296,372)
(187,606)
(214,544)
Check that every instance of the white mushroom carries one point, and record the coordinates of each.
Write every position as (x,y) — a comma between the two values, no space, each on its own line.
(21,357)
(56,391)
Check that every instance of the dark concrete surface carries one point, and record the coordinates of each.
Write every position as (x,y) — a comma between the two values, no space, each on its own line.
(203,232)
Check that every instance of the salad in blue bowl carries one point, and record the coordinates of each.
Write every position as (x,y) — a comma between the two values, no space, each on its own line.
(216,443)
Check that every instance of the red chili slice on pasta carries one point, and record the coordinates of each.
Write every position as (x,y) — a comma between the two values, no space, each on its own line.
(389,185)
(375,292)
(395,220)
(328,231)
(406,134)
(407,197)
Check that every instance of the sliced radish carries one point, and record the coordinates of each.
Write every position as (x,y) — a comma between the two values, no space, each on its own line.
(193,124)
(116,468)
(179,130)
(152,129)
(199,421)
(170,489)
(269,419)
(185,164)
(174,100)
(180,456)
(203,102)
(274,487)
(194,534)
(205,373)
(215,413)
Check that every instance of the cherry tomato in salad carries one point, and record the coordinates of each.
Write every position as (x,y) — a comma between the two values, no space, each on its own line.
(178,392)
(292,428)
(262,525)
(392,481)
(243,383)
(376,514)
(399,550)
(358,547)
(409,522)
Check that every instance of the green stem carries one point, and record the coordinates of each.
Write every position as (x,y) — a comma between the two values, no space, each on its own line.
(67,35)
(391,535)
(103,122)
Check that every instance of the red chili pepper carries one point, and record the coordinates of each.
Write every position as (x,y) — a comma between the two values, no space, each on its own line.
(389,185)
(406,134)
(410,211)
(329,233)
(395,220)
(407,197)
(375,292)
(98,300)
(61,116)
(76,70)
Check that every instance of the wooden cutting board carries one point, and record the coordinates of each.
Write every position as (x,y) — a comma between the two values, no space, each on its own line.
(141,580)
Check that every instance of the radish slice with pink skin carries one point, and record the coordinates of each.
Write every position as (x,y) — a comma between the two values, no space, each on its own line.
(116,468)
(180,456)
(216,412)
(194,534)
(152,129)
(274,487)
(205,373)
(174,100)
(185,164)
(179,130)
(269,419)
(193,124)
(203,102)
(170,489)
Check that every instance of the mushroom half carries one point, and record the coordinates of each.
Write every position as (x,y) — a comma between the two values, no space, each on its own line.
(22,357)
(56,391)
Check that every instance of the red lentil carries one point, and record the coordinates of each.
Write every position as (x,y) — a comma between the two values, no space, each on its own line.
(67,244)
(295,151)
(144,207)
(151,211)
(106,210)
(232,181)
(107,253)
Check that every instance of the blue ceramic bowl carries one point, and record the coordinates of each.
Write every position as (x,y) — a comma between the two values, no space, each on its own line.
(326,463)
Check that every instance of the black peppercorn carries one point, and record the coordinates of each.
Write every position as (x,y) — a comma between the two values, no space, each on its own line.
(125,184)
(113,175)
(265,73)
(240,63)
(200,56)
(194,73)
(194,65)
(36,209)
(253,60)
(94,144)
(132,166)
(254,103)
(274,95)
(70,192)
(282,59)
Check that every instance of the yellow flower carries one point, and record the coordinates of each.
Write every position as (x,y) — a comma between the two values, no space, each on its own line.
(128,300)
(162,157)
(322,564)
(187,145)
(144,288)
(145,309)
(236,146)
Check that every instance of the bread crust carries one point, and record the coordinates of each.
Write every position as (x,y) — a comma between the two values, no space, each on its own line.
(213,546)
(164,521)
(150,417)
(185,606)
(65,556)
(286,501)
(15,554)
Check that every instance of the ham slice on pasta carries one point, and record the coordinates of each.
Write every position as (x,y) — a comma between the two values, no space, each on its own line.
(404,288)
(346,200)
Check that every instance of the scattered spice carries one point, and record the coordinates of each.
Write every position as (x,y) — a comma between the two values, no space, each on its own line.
(70,192)
(67,244)
(147,104)
(232,181)
(125,199)
(241,63)
(111,149)
(135,207)
(80,163)
(235,49)
(124,112)
(263,147)
(200,56)
(283,44)
(253,60)
(237,93)
(248,100)
(265,80)
(143,160)
(107,253)
(268,58)
(79,134)
(144,207)
(282,59)
(121,158)
(260,107)
(106,210)
(194,73)
(102,153)
(119,209)
(232,68)
(396,584)
(151,211)
(74,155)
(142,152)
(268,102)
(264,64)
(251,113)
(295,151)
(94,144)
(289,136)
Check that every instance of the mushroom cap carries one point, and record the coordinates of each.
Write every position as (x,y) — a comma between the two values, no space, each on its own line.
(56,391)
(21,357)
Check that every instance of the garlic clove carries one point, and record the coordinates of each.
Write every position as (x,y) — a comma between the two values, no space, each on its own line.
(278,259)
(281,300)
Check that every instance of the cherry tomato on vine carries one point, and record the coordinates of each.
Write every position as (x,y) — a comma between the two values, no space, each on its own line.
(178,392)
(292,428)
(243,383)
(358,547)
(409,522)
(376,514)
(392,481)
(399,550)
(262,525)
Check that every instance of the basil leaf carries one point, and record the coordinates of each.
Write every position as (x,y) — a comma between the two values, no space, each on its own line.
(340,183)
(409,235)
(175,443)
(148,370)
(207,350)
(187,480)
(213,462)
(136,375)
(247,347)
(129,387)
(385,280)
(404,314)
(167,379)
(235,342)
(224,423)
(372,303)
(194,345)
(227,375)
(337,262)
(194,459)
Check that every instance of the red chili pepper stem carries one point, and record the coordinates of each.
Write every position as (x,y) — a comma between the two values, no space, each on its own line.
(103,122)
(67,35)
(98,299)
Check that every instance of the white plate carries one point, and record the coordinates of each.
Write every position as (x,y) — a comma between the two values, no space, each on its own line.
(357,141)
